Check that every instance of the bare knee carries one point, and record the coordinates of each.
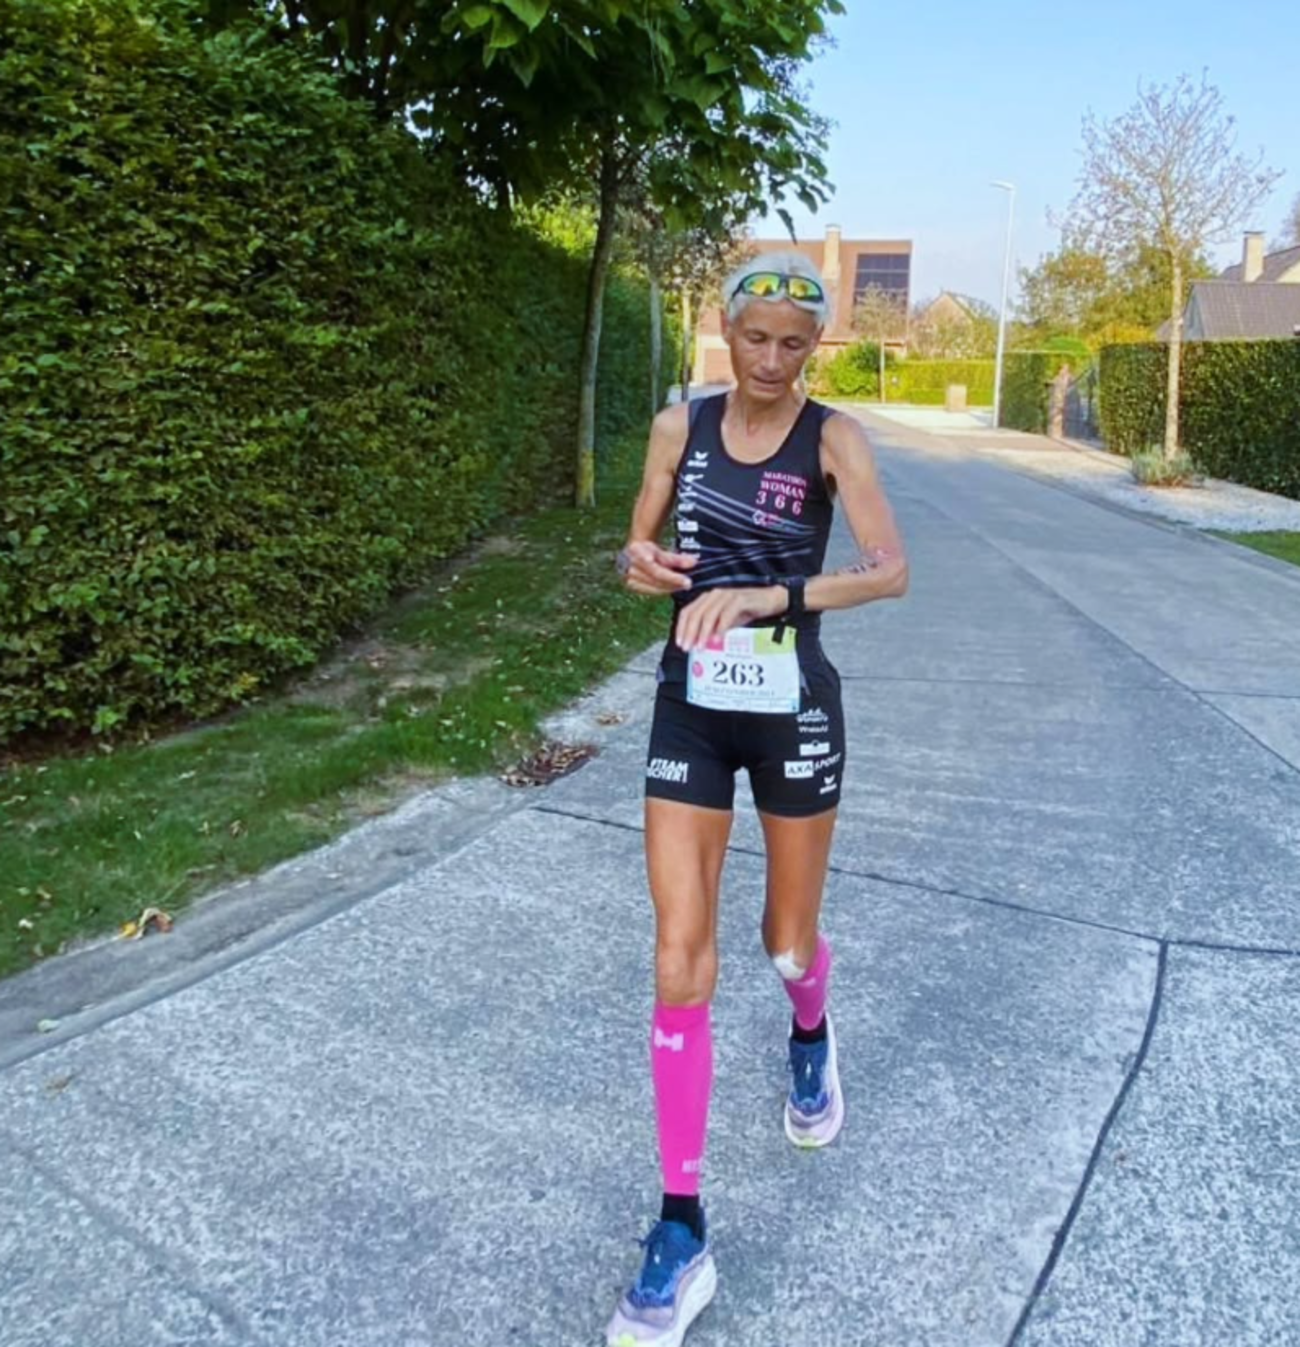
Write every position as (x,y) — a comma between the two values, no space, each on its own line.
(791,945)
(686,971)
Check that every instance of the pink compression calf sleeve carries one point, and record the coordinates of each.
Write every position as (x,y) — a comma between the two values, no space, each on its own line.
(681,1060)
(808,993)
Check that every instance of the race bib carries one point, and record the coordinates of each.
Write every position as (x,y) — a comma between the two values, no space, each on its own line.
(747,670)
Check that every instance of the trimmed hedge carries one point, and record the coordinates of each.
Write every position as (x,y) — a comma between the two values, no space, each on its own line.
(1239,414)
(1026,402)
(1131,395)
(926,381)
(261,363)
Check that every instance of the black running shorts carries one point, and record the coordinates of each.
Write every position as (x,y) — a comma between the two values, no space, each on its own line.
(795,762)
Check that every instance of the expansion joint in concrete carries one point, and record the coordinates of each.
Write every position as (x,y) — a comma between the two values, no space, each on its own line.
(174,1273)
(1062,1235)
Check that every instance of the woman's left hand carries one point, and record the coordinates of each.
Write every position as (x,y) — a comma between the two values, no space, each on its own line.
(718,611)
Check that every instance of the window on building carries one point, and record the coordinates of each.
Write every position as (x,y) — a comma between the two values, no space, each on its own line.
(890,272)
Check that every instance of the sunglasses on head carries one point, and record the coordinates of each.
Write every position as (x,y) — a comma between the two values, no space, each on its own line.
(774,284)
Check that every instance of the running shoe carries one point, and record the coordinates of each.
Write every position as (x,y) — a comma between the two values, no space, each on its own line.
(676,1282)
(814,1108)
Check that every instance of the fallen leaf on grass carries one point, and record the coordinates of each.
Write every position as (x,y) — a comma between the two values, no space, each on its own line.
(610,718)
(151,918)
(551,761)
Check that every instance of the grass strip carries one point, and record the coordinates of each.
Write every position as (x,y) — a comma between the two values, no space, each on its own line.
(1286,546)
(451,680)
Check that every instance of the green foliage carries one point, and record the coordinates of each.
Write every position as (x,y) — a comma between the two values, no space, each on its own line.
(851,372)
(926,382)
(261,362)
(1088,296)
(1240,407)
(1132,395)
(1076,351)
(1025,379)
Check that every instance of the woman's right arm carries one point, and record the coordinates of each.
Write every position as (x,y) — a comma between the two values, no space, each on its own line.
(648,568)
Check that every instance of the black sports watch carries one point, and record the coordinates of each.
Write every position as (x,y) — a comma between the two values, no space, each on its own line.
(795,605)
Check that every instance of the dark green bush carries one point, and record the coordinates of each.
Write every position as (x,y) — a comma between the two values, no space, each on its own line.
(1239,412)
(261,363)
(851,372)
(1025,379)
(1131,395)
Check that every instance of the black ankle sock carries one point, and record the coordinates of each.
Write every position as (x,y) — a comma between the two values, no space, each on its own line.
(685,1210)
(817,1035)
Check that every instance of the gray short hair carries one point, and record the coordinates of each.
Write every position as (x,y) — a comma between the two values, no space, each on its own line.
(788,262)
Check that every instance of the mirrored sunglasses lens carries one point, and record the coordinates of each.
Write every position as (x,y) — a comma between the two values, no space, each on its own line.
(799,287)
(762,285)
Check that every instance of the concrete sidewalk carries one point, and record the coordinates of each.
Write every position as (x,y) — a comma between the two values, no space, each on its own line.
(1067,922)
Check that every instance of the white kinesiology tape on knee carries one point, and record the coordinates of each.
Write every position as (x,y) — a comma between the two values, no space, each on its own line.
(789,968)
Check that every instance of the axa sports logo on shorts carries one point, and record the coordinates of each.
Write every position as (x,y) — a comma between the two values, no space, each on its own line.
(798,771)
(665,769)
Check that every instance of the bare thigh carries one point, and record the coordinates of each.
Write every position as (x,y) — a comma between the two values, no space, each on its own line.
(798,852)
(685,848)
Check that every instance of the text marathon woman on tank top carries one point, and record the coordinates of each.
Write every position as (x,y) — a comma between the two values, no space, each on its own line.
(751,523)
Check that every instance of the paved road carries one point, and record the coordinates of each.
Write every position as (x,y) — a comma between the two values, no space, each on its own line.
(1066,912)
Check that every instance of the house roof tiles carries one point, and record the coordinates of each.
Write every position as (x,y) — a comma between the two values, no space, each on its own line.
(1243,311)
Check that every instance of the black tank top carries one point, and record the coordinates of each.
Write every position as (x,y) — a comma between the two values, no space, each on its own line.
(751,523)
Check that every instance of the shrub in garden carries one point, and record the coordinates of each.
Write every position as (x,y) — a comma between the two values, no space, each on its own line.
(851,372)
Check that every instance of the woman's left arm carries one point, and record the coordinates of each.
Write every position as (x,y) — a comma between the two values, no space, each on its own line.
(880,570)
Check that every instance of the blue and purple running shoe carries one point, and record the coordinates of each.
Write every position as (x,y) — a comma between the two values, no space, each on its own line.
(677,1280)
(814,1108)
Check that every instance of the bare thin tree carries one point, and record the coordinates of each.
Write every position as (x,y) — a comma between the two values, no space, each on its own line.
(880,317)
(1290,236)
(1167,174)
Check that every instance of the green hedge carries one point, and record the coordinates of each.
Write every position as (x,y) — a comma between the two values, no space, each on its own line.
(1026,402)
(1239,412)
(1131,395)
(926,381)
(261,363)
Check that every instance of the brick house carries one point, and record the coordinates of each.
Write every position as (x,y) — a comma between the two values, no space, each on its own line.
(849,266)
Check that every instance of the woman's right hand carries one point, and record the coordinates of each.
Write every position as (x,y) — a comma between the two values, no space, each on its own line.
(650,569)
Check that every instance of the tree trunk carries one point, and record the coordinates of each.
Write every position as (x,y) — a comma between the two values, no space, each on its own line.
(687,345)
(1175,360)
(656,341)
(584,494)
(882,369)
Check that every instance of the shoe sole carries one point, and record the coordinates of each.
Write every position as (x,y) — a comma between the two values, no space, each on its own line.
(825,1130)
(698,1296)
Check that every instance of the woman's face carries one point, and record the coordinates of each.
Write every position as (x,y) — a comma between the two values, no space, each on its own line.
(770,344)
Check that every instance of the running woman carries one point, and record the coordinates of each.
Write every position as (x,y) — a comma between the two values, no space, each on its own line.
(744,683)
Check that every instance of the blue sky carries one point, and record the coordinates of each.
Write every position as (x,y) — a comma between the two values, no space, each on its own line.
(933,101)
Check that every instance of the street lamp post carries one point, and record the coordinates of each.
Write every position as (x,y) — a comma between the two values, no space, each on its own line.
(1010,189)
